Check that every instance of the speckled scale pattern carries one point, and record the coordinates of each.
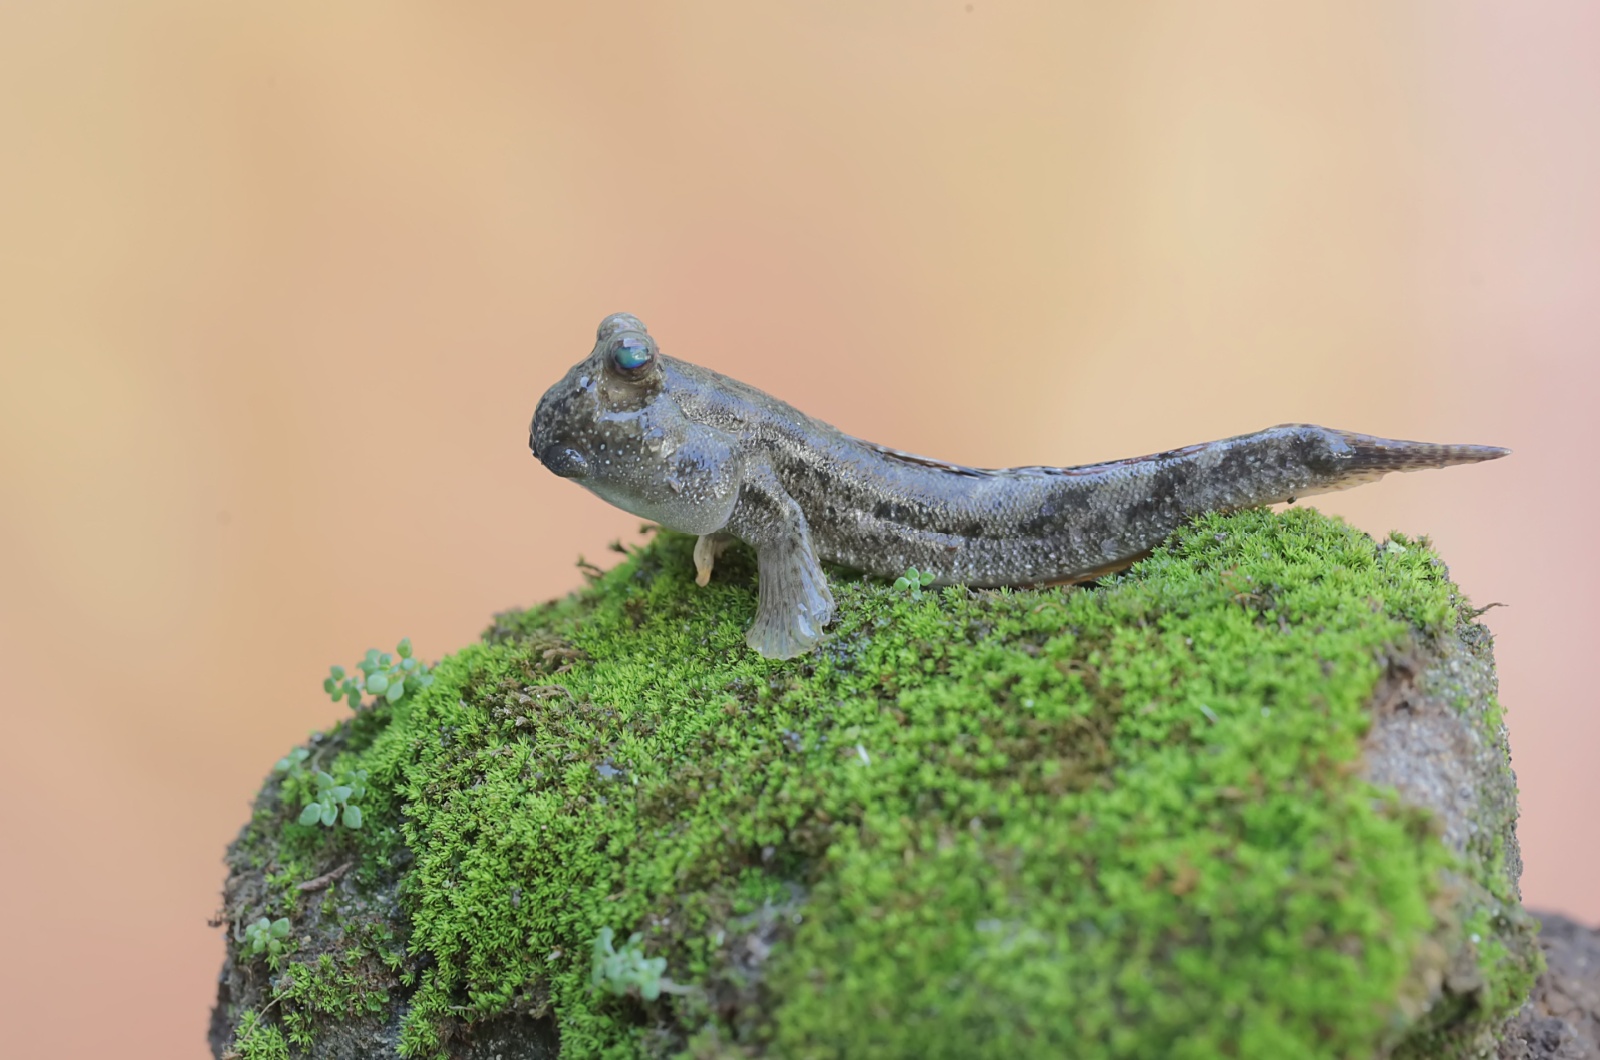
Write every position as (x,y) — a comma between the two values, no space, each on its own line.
(701,453)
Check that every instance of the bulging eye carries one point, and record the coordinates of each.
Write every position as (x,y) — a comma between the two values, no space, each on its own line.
(631,353)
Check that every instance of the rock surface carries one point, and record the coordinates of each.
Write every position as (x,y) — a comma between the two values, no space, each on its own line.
(1561,1020)
(1251,798)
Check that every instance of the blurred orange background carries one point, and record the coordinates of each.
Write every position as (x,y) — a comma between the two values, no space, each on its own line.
(280,285)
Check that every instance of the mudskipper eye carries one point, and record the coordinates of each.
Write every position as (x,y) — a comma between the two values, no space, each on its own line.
(631,353)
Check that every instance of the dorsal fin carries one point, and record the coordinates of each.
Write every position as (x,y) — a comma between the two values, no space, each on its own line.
(1030,470)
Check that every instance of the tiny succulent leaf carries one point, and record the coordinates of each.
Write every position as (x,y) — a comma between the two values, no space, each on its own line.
(913,580)
(404,648)
(352,817)
(311,814)
(377,684)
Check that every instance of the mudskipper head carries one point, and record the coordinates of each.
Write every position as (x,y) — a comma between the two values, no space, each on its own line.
(583,423)
(612,426)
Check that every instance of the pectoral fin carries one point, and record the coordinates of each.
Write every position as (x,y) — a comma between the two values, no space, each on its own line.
(793,602)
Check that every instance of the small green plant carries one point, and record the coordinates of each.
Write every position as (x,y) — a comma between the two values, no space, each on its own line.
(266,936)
(332,802)
(628,970)
(256,1039)
(914,581)
(293,763)
(382,676)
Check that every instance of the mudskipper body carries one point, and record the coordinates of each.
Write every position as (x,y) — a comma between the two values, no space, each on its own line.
(704,454)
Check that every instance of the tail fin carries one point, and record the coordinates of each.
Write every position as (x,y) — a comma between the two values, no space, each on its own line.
(1382,455)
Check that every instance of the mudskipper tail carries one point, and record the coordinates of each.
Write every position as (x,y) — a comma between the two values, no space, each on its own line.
(1391,454)
(1359,458)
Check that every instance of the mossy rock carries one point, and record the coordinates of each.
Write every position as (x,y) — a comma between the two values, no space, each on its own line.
(1249,799)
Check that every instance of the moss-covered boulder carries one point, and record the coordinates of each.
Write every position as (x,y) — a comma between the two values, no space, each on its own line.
(1249,799)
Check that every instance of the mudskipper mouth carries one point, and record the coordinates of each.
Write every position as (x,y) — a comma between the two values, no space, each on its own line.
(564,461)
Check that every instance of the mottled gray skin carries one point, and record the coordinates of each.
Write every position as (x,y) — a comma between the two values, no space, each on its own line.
(704,454)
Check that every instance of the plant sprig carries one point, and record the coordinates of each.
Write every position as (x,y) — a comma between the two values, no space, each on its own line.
(334,800)
(628,970)
(267,936)
(914,581)
(293,763)
(381,675)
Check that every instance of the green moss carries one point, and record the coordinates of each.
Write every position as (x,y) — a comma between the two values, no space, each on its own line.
(256,1039)
(1120,821)
(341,987)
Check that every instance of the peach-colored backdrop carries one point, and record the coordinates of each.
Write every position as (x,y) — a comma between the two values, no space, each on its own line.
(280,284)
